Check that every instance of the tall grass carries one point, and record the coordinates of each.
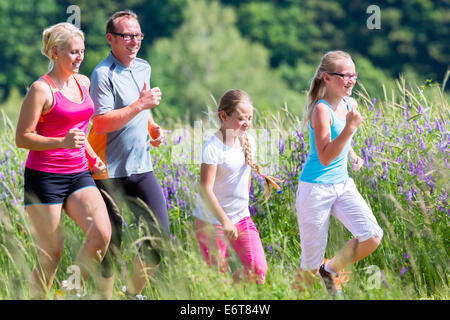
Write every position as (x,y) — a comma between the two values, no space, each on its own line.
(404,141)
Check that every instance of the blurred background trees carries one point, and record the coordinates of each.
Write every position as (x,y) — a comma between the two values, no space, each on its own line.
(199,48)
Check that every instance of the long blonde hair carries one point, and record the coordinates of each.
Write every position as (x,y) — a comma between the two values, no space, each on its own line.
(228,103)
(317,89)
(58,35)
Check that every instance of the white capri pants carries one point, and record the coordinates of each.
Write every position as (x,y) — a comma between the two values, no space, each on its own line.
(315,202)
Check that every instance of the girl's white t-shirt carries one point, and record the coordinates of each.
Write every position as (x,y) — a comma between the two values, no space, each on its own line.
(231,182)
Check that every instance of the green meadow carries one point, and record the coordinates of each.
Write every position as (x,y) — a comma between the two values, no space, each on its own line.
(405,143)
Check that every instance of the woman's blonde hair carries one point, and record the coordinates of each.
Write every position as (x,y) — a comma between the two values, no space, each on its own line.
(228,103)
(58,35)
(329,63)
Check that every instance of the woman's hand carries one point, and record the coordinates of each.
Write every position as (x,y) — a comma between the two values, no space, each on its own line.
(74,139)
(99,167)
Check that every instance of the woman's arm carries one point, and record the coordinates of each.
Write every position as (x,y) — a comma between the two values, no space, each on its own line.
(207,178)
(40,98)
(96,165)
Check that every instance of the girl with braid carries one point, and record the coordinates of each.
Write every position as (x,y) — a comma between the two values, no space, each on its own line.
(223,216)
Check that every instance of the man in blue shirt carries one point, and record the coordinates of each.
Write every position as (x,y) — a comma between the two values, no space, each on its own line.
(120,89)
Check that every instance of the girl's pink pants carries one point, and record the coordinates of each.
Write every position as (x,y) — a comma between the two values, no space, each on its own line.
(248,246)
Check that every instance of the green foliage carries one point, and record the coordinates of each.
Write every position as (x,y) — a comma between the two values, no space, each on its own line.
(404,142)
(22,24)
(207,55)
(294,35)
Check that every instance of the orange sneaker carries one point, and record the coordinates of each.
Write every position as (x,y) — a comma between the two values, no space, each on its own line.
(333,282)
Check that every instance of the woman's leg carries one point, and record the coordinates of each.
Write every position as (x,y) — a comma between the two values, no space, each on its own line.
(87,208)
(48,234)
(249,248)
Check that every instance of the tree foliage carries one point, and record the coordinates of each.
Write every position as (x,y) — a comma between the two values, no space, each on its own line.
(281,43)
(22,23)
(207,56)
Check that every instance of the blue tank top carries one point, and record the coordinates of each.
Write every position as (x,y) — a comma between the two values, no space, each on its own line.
(336,172)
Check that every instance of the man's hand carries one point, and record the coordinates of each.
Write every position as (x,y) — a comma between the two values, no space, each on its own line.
(150,98)
(156,134)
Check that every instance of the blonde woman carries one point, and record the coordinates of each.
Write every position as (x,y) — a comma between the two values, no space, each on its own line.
(325,188)
(53,121)
(224,218)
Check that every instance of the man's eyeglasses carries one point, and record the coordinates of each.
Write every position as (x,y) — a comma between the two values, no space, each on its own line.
(130,36)
(346,76)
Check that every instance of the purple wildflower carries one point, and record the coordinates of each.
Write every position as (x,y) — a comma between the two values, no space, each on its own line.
(405,256)
(418,127)
(402,271)
(281,146)
(422,144)
(427,126)
(385,173)
(430,182)
(406,111)
(411,168)
(383,279)
(439,125)
(373,104)
(409,197)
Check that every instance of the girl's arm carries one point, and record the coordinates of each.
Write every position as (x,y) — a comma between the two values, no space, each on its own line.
(40,98)
(328,150)
(207,177)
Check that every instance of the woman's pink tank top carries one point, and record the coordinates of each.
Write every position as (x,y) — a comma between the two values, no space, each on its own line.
(63,116)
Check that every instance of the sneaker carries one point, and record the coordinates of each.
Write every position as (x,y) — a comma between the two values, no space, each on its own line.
(333,282)
(66,292)
(131,296)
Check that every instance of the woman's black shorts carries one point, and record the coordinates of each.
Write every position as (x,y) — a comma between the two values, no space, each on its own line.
(53,188)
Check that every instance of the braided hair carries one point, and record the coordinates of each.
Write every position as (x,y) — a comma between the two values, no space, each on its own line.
(228,103)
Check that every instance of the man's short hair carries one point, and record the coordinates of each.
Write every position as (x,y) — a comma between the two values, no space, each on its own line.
(111,23)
